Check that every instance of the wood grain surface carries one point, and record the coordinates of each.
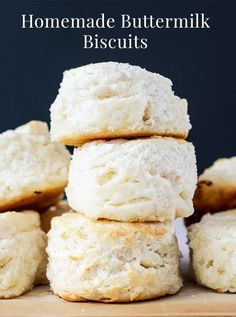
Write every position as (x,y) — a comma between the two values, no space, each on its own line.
(192,300)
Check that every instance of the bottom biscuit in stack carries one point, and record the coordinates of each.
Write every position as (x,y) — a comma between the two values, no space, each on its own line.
(22,252)
(212,243)
(110,261)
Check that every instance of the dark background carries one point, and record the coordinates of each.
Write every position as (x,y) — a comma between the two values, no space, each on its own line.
(200,62)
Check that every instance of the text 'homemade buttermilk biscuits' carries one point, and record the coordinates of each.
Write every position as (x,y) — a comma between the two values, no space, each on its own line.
(33,170)
(150,179)
(213,247)
(109,100)
(22,252)
(216,189)
(111,261)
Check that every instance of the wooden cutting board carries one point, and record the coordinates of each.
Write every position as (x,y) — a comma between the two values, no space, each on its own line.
(192,300)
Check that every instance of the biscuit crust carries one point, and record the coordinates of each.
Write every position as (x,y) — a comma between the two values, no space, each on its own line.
(80,139)
(36,200)
(212,197)
(216,189)
(48,214)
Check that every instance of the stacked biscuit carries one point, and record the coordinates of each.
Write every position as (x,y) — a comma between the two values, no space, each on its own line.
(212,240)
(119,244)
(33,175)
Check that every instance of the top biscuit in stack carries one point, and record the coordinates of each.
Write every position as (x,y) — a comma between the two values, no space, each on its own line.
(110,100)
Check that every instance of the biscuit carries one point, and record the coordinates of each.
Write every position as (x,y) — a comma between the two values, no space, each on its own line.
(150,179)
(111,261)
(53,211)
(33,170)
(46,217)
(45,221)
(213,250)
(22,250)
(41,276)
(216,188)
(116,100)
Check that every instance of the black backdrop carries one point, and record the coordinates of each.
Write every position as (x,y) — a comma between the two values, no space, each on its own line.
(200,62)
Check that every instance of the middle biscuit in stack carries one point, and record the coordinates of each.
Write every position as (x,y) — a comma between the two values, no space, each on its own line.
(151,179)
(124,181)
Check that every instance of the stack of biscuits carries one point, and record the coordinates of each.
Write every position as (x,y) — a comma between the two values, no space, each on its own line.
(33,175)
(132,173)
